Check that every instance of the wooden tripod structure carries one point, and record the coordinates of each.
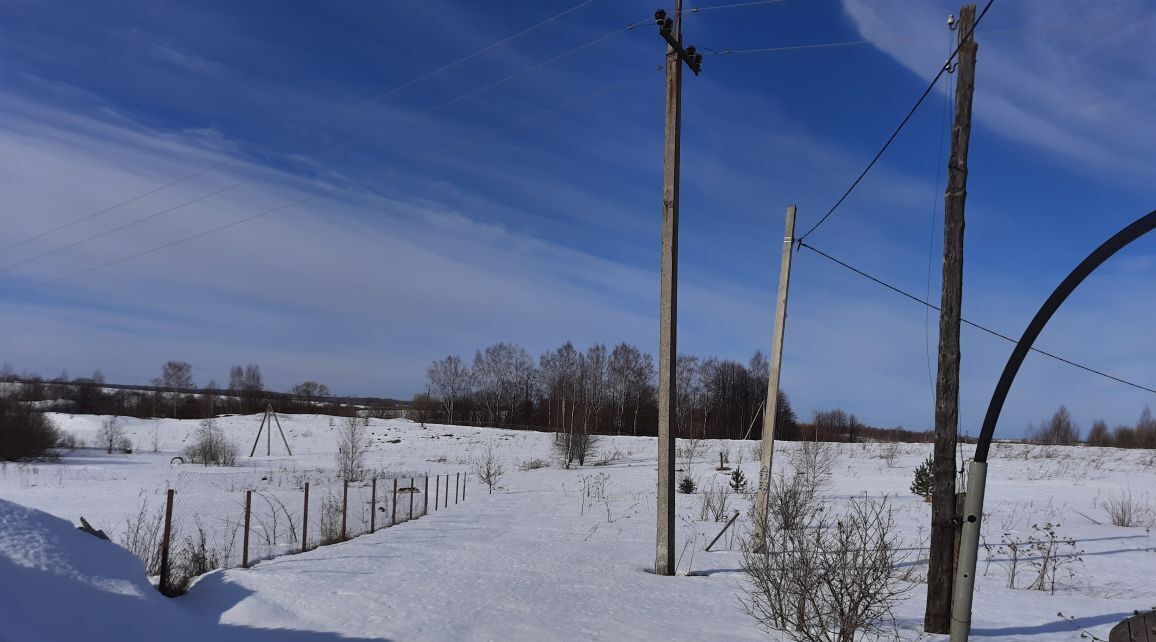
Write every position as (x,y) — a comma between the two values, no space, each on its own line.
(268,420)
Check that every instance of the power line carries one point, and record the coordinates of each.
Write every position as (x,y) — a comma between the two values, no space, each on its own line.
(841,43)
(731,6)
(971,323)
(942,70)
(816,45)
(329,190)
(297,130)
(948,108)
(270,170)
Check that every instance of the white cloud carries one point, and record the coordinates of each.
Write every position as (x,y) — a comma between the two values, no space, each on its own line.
(1061,75)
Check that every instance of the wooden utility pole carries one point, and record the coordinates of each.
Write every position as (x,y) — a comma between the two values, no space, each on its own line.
(941,566)
(671,31)
(771,414)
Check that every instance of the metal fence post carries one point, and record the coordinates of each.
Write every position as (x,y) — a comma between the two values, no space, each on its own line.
(412,488)
(425,497)
(393,518)
(305,522)
(373,506)
(245,545)
(344,505)
(165,542)
(457,486)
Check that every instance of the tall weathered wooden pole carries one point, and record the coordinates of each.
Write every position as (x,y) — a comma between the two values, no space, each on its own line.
(667,307)
(771,413)
(671,31)
(941,566)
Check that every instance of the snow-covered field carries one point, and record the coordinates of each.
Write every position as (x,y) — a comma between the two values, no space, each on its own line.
(552,554)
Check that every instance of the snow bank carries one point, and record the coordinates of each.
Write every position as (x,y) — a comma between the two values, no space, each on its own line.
(58,583)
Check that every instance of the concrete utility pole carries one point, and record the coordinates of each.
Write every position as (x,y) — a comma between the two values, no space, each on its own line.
(944,522)
(671,31)
(771,414)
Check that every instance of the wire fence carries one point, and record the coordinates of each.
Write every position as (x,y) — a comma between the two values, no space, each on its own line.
(217,519)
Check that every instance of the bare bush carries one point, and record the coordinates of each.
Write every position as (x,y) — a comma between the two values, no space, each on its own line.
(689,452)
(110,435)
(1050,553)
(533,464)
(330,520)
(814,462)
(574,446)
(489,469)
(890,453)
(829,582)
(273,530)
(210,446)
(142,537)
(25,433)
(792,503)
(353,444)
(712,503)
(1125,510)
(195,557)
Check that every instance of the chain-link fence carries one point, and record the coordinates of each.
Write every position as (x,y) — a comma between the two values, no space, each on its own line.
(223,519)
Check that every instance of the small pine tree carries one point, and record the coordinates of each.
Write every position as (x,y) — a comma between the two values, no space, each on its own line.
(686,486)
(738,481)
(924,483)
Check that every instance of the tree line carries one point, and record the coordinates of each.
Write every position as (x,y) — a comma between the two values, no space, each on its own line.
(175,394)
(1061,429)
(605,390)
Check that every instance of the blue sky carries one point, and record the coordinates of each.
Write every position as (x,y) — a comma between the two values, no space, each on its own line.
(437,225)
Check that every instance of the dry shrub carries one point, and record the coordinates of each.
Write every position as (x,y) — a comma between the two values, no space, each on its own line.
(142,537)
(1125,510)
(25,433)
(832,580)
(210,446)
(489,469)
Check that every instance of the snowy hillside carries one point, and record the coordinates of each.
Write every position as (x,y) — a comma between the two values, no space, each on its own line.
(551,554)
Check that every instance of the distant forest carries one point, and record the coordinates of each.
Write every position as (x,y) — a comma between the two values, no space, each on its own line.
(174,394)
(614,391)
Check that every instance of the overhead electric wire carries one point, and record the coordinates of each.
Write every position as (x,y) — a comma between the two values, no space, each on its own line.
(311,197)
(271,170)
(816,45)
(948,109)
(734,5)
(841,43)
(970,323)
(903,123)
(296,130)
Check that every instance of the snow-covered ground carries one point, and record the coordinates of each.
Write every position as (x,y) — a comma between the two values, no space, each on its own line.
(552,554)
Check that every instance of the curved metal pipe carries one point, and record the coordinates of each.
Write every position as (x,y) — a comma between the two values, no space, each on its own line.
(977,479)
(1122,238)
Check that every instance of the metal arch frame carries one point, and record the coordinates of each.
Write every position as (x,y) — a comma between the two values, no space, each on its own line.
(977,478)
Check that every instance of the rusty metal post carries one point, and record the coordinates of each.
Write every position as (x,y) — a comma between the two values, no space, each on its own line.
(373,506)
(166,541)
(245,545)
(344,506)
(305,522)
